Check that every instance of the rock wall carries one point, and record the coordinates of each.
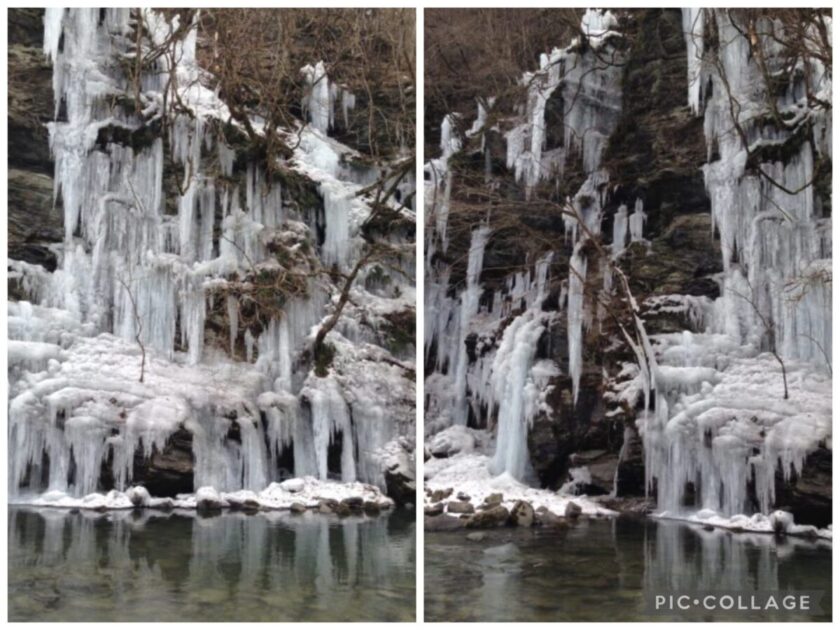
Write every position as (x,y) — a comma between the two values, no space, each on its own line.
(34,221)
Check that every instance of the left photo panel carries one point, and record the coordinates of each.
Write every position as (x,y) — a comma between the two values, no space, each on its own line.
(211,315)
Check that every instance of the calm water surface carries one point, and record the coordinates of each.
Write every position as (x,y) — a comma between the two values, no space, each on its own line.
(603,570)
(148,566)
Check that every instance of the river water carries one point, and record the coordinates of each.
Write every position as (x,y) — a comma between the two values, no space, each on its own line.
(152,566)
(609,569)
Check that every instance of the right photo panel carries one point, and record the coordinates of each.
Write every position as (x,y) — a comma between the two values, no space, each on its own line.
(628,338)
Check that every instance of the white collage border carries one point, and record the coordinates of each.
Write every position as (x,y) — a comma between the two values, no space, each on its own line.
(418,5)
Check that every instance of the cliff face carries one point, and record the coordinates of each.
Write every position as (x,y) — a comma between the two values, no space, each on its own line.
(654,154)
(611,185)
(34,222)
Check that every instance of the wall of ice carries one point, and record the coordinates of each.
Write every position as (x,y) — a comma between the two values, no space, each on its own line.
(724,422)
(143,261)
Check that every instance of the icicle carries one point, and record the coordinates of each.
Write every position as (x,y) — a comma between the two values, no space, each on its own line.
(52,31)
(637,222)
(450,143)
(226,158)
(249,345)
(469,307)
(619,239)
(317,103)
(693,23)
(348,103)
(233,318)
(330,417)
(338,205)
(577,280)
(193,314)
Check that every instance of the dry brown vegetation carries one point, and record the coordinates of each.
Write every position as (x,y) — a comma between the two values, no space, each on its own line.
(256,56)
(477,53)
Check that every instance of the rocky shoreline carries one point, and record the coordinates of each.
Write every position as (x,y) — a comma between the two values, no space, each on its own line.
(448,510)
(297,495)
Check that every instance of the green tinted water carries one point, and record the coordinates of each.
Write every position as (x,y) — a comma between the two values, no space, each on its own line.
(148,566)
(604,570)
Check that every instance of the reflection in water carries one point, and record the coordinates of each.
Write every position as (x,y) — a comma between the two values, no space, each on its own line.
(500,571)
(266,567)
(692,559)
(605,570)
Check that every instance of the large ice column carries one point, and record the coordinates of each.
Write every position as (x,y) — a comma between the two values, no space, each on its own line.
(224,464)
(330,420)
(636,222)
(338,205)
(283,428)
(513,390)
(450,142)
(317,102)
(438,189)
(145,305)
(468,308)
(619,237)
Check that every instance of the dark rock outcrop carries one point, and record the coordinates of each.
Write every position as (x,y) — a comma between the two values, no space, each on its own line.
(682,260)
(400,484)
(170,472)
(34,220)
(808,496)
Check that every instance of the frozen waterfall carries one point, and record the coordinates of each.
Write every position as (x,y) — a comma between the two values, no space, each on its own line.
(162,240)
(722,428)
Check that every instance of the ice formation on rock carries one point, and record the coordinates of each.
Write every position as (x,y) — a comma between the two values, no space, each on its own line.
(322,97)
(693,24)
(504,377)
(723,424)
(514,392)
(133,265)
(577,282)
(469,308)
(718,431)
(590,98)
